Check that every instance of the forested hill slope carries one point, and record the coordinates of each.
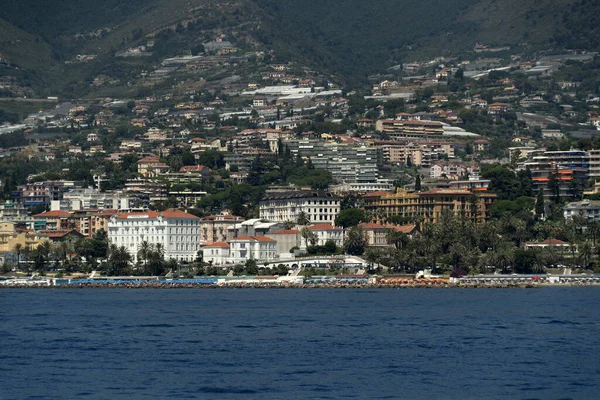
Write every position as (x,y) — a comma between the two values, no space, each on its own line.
(355,36)
(348,38)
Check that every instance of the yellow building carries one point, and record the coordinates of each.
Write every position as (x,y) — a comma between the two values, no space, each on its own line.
(10,236)
(428,206)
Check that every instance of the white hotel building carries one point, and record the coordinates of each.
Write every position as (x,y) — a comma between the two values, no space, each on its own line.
(177,231)
(320,206)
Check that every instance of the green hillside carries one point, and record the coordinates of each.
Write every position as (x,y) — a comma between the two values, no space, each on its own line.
(355,37)
(351,38)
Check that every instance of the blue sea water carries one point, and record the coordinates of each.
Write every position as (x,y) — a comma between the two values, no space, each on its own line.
(300,344)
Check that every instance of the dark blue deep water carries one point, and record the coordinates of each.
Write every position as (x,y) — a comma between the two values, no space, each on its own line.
(298,344)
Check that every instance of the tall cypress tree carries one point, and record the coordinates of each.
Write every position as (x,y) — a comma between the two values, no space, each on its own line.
(539,204)
(418,183)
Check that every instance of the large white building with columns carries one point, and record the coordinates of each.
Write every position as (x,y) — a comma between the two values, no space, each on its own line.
(178,232)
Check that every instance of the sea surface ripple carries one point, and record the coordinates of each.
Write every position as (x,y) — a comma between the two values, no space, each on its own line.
(300,344)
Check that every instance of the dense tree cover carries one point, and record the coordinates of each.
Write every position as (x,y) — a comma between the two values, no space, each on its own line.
(506,184)
(356,241)
(240,199)
(350,217)
(57,18)
(285,169)
(329,248)
(456,242)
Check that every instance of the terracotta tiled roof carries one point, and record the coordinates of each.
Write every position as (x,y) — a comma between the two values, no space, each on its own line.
(286,232)
(53,214)
(548,242)
(264,239)
(107,212)
(170,213)
(377,194)
(146,160)
(323,227)
(370,225)
(218,244)
(195,168)
(446,191)
(404,228)
(254,239)
(59,234)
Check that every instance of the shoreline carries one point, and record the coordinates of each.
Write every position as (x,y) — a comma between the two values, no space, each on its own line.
(164,285)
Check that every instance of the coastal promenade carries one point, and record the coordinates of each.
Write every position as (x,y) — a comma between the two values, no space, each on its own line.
(299,281)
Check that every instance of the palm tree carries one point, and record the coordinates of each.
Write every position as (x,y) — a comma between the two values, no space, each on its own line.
(308,236)
(302,219)
(43,252)
(585,253)
(397,238)
(514,228)
(539,264)
(380,216)
(356,241)
(288,224)
(18,248)
(144,251)
(504,255)
(26,251)
(118,260)
(593,229)
(431,250)
(372,256)
(160,250)
(457,251)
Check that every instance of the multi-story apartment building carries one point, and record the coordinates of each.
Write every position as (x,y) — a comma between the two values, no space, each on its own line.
(419,153)
(571,169)
(452,170)
(154,189)
(357,187)
(318,205)
(88,198)
(53,220)
(151,167)
(215,228)
(570,181)
(557,159)
(346,162)
(178,232)
(14,212)
(42,193)
(430,205)
(399,129)
(594,164)
(590,210)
